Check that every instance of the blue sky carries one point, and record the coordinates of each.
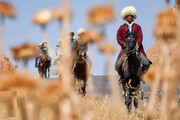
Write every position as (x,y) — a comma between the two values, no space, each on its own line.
(22,29)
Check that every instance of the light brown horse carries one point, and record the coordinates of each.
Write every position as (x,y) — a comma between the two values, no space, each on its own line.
(45,64)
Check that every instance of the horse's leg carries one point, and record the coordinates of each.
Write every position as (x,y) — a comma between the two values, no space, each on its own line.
(48,72)
(40,72)
(137,95)
(136,99)
(84,87)
(79,85)
(74,83)
(128,98)
(45,71)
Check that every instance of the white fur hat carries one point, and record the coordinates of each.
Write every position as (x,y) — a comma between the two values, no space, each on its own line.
(128,10)
(80,31)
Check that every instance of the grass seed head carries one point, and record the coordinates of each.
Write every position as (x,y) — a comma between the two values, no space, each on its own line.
(100,15)
(6,9)
(42,17)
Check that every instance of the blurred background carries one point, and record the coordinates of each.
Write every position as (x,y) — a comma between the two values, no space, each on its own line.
(22,29)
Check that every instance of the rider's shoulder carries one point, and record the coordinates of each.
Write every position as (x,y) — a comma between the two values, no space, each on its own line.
(123,25)
(137,25)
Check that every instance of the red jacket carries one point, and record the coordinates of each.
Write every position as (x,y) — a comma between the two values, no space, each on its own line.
(121,35)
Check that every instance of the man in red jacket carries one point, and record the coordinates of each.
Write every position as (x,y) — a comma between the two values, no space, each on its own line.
(129,14)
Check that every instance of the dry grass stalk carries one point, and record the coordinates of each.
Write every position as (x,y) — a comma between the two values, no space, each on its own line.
(166,24)
(42,17)
(116,93)
(150,76)
(91,36)
(100,108)
(51,96)
(22,83)
(107,48)
(25,86)
(25,51)
(6,9)
(9,99)
(33,96)
(169,87)
(153,76)
(66,59)
(5,65)
(60,13)
(165,29)
(100,15)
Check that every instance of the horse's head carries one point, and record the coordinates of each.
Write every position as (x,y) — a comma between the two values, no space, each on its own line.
(130,42)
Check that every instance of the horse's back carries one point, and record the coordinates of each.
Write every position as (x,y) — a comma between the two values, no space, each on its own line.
(132,69)
(80,70)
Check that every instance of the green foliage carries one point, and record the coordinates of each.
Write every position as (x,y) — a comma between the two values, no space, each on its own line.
(16,66)
(155,63)
(7,58)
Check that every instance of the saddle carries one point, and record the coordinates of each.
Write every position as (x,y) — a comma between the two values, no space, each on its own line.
(125,59)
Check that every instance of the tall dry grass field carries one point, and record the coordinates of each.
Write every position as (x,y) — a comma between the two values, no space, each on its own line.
(25,97)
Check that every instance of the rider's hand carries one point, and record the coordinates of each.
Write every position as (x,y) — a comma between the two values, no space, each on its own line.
(137,46)
(124,44)
(82,54)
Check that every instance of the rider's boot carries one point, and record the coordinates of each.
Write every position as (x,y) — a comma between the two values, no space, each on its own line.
(120,74)
(36,62)
(40,62)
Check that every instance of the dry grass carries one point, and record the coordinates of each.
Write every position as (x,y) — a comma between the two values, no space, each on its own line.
(33,98)
(6,9)
(100,15)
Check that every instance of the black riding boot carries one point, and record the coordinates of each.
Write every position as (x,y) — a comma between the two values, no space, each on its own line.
(120,74)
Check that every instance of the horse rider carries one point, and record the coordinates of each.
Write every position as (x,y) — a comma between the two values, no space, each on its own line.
(43,53)
(82,47)
(130,28)
(40,54)
(72,40)
(73,43)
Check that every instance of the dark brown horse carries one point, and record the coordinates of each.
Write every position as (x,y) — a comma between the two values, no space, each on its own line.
(132,72)
(80,73)
(45,64)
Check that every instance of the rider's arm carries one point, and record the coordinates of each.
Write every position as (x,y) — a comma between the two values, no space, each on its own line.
(139,36)
(121,36)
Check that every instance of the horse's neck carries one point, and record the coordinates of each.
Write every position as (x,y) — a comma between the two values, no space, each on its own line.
(132,60)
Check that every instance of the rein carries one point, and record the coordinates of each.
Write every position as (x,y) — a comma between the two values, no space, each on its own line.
(81,62)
